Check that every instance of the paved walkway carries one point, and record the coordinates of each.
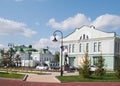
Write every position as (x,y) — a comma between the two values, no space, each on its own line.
(42,78)
(48,77)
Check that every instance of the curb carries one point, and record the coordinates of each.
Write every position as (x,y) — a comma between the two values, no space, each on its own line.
(25,77)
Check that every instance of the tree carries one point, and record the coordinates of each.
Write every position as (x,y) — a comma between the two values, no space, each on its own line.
(17,59)
(117,71)
(6,59)
(85,71)
(11,53)
(57,56)
(30,46)
(2,54)
(100,70)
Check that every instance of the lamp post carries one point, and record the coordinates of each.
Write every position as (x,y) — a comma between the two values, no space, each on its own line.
(61,55)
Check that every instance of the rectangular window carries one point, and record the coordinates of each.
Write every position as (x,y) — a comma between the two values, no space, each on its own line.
(118,47)
(87,47)
(69,48)
(80,47)
(99,46)
(95,47)
(73,46)
(115,46)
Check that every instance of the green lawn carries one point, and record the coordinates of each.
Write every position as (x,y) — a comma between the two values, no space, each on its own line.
(11,75)
(110,77)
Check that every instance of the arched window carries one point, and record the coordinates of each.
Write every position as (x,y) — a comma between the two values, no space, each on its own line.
(82,37)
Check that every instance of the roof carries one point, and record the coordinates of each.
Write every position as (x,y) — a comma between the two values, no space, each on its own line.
(87,32)
(24,48)
(44,51)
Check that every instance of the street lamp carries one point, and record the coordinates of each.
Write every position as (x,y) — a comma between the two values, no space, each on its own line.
(61,55)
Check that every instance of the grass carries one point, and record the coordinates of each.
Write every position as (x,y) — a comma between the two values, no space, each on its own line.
(109,77)
(11,75)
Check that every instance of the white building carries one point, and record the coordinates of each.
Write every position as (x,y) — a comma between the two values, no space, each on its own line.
(42,57)
(96,42)
(30,57)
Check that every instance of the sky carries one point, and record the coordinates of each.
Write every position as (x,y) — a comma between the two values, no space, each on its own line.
(32,22)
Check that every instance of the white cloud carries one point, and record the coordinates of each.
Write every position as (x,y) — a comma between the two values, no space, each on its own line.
(71,22)
(107,21)
(10,27)
(28,32)
(2,46)
(43,43)
(102,22)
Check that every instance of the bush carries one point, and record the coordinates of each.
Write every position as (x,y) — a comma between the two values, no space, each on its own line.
(85,71)
(100,70)
(117,72)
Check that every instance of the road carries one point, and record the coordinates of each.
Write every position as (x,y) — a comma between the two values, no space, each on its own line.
(12,82)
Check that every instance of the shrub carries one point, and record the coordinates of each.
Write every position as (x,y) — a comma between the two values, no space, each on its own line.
(85,71)
(117,72)
(100,70)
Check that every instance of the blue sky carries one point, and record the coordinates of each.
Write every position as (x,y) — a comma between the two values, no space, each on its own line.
(34,21)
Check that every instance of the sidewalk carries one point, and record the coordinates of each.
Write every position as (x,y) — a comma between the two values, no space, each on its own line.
(48,77)
(43,78)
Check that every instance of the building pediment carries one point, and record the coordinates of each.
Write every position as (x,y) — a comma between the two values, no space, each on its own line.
(87,32)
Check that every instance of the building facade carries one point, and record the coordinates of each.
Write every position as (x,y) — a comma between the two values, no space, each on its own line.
(96,43)
(41,57)
(23,56)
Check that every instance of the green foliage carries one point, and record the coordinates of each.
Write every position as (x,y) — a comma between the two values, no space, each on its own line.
(17,59)
(108,77)
(85,71)
(117,72)
(11,75)
(100,63)
(100,70)
(30,46)
(2,52)
(57,56)
(6,59)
